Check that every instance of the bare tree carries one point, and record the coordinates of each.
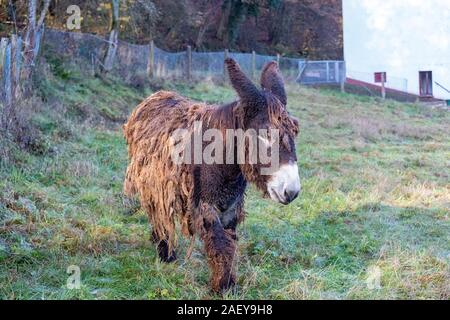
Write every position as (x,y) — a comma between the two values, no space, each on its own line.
(33,26)
(207,20)
(113,37)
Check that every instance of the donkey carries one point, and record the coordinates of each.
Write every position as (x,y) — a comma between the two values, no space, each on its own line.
(208,199)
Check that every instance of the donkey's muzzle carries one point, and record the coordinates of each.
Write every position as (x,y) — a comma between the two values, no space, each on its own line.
(284,185)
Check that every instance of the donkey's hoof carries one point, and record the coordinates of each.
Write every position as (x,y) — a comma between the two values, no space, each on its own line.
(168,258)
(225,285)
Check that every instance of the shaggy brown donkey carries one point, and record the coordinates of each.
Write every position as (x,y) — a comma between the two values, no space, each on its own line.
(207,199)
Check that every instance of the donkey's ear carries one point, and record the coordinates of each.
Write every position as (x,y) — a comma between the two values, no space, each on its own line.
(272,81)
(241,84)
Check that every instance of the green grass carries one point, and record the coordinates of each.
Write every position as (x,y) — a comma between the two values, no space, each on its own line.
(376,196)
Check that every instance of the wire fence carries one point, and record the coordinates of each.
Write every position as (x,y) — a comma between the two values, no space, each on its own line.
(396,83)
(364,83)
(142,61)
(12,64)
(136,63)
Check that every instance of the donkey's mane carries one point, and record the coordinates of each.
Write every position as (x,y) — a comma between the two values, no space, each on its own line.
(279,117)
(228,116)
(223,116)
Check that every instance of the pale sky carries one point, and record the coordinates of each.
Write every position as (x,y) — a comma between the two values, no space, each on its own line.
(398,36)
(397,21)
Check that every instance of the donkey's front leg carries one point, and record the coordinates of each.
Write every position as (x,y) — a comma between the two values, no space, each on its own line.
(220,245)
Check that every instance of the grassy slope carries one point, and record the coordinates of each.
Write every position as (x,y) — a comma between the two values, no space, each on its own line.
(375,195)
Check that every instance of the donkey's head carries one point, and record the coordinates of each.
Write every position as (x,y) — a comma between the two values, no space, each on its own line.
(264,110)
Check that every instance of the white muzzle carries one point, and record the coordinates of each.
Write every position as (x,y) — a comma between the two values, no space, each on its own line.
(284,185)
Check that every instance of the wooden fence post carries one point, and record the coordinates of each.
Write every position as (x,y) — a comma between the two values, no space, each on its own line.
(253,64)
(343,77)
(3,46)
(328,71)
(225,72)
(189,63)
(336,71)
(7,75)
(151,61)
(92,65)
(14,66)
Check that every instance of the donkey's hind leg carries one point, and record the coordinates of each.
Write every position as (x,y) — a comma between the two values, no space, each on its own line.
(163,249)
(162,243)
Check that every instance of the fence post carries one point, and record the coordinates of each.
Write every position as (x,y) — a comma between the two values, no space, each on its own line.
(253,64)
(336,71)
(225,56)
(383,87)
(328,71)
(14,66)
(92,65)
(343,77)
(189,62)
(278,59)
(151,61)
(7,75)
(3,44)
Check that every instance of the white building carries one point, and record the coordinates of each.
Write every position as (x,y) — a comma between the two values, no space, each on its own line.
(407,39)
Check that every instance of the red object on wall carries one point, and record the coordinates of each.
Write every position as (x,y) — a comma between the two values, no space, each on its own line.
(379,76)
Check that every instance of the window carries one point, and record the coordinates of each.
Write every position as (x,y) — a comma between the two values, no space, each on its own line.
(426,83)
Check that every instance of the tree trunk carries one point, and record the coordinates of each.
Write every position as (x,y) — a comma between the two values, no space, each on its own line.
(200,35)
(224,20)
(11,8)
(110,54)
(29,40)
(29,52)
(208,20)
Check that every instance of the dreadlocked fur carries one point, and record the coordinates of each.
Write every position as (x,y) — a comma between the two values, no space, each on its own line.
(172,193)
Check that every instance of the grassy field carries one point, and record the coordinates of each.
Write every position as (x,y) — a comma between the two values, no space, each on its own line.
(375,205)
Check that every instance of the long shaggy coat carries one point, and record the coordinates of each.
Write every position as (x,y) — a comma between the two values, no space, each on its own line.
(205,200)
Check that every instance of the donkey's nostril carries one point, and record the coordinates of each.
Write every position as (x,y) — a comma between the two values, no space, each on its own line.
(290,195)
